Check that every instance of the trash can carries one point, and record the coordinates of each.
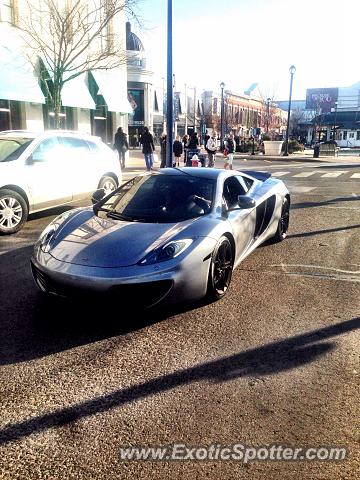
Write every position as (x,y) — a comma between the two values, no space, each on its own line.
(316,151)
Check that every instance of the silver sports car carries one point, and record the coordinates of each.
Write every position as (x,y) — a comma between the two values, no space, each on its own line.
(165,236)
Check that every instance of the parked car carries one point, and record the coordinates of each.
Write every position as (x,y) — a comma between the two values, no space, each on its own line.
(167,236)
(41,171)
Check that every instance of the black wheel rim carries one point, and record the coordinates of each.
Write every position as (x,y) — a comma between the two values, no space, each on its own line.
(223,266)
(284,220)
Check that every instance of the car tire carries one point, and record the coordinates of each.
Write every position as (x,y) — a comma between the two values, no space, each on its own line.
(13,212)
(221,268)
(283,225)
(108,184)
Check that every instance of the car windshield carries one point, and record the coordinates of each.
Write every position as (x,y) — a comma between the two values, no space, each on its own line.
(12,148)
(162,199)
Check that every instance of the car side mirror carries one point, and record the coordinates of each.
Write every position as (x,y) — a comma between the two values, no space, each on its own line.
(246,202)
(98,195)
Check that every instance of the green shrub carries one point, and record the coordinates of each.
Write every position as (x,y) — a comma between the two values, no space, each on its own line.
(293,146)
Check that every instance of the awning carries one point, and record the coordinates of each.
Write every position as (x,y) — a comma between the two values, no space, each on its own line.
(17,80)
(75,93)
(113,89)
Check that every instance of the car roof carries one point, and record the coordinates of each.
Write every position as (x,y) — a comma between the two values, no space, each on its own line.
(14,134)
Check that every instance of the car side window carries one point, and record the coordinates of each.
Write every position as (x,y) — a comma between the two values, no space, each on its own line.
(232,189)
(77,146)
(46,150)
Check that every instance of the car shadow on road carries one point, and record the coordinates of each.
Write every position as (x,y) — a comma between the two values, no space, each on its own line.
(332,201)
(265,360)
(33,325)
(324,231)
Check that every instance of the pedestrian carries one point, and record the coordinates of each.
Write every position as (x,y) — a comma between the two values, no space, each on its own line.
(121,145)
(207,136)
(193,147)
(211,148)
(163,150)
(178,150)
(147,142)
(230,147)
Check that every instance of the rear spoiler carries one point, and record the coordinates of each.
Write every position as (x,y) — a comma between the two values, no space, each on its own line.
(262,176)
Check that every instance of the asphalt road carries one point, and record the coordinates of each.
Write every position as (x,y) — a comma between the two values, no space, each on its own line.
(275,362)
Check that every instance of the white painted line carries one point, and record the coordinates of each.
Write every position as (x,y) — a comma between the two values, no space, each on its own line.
(279,174)
(305,174)
(332,174)
(355,175)
(295,189)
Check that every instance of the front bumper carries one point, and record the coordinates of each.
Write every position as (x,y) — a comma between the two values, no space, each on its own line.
(167,282)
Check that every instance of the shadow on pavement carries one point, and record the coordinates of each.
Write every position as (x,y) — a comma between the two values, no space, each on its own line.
(319,232)
(333,201)
(265,360)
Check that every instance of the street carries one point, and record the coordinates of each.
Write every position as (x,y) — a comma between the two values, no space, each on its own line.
(276,361)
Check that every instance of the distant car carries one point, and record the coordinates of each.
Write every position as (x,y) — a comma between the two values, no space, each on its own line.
(41,171)
(167,236)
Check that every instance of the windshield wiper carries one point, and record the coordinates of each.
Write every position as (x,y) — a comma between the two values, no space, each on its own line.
(119,216)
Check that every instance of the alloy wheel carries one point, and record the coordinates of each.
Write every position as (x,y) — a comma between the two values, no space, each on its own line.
(11,213)
(223,266)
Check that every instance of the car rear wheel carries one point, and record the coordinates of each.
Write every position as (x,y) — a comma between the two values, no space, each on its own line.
(108,184)
(283,224)
(221,269)
(13,212)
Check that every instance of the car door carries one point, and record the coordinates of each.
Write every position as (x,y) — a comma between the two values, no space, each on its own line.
(47,174)
(82,166)
(241,220)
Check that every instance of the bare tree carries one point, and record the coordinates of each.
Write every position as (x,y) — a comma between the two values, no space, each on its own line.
(72,37)
(297,118)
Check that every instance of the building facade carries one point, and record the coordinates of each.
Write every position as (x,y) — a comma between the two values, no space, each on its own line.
(244,115)
(94,102)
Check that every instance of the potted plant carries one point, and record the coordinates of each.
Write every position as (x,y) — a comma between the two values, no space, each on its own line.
(272,147)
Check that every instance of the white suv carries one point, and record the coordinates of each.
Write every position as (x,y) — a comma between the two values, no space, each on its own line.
(41,171)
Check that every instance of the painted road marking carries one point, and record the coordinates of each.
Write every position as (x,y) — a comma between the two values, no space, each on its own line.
(333,174)
(299,189)
(279,174)
(355,175)
(304,174)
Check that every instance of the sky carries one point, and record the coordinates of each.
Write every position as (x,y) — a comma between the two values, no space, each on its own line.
(240,42)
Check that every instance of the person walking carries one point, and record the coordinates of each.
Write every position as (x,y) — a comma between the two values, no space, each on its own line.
(147,142)
(177,150)
(163,150)
(211,147)
(193,147)
(230,147)
(121,145)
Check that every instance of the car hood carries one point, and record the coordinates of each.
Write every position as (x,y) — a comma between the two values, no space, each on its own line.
(109,243)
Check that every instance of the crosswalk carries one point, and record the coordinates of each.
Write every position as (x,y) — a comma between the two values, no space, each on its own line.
(318,173)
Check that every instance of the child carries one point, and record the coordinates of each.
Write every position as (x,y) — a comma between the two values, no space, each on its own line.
(178,150)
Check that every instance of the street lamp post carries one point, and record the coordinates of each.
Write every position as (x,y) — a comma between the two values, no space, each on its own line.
(222,86)
(335,112)
(268,114)
(170,93)
(292,70)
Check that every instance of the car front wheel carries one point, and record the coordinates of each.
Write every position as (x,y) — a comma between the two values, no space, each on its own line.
(108,184)
(283,224)
(221,269)
(13,212)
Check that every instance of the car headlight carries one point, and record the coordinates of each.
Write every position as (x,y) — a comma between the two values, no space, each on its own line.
(167,252)
(48,234)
